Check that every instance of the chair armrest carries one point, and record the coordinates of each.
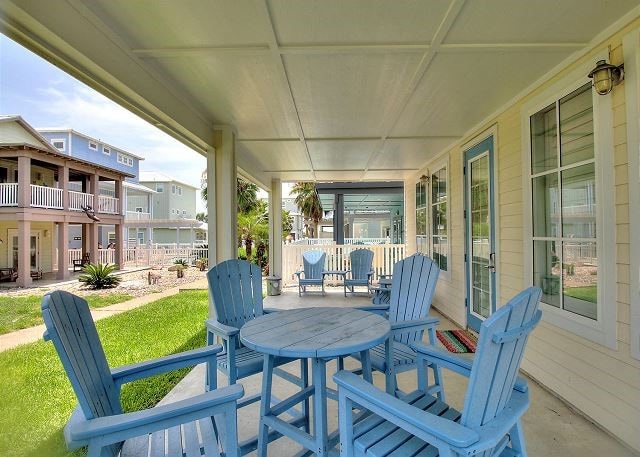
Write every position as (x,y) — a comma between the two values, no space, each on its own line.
(298,273)
(443,358)
(380,310)
(112,429)
(426,426)
(220,329)
(415,324)
(128,373)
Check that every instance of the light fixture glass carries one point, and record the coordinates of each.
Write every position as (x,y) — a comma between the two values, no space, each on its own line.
(605,76)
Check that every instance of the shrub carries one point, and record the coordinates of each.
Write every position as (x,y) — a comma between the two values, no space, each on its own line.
(99,276)
(182,262)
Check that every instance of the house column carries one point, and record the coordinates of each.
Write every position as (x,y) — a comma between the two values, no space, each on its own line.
(119,192)
(63,246)
(119,254)
(221,199)
(92,228)
(275,228)
(24,182)
(410,217)
(63,183)
(24,251)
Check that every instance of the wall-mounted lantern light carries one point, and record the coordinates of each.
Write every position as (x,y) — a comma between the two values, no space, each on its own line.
(605,76)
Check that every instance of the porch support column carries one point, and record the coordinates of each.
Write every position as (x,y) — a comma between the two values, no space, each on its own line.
(63,183)
(338,219)
(221,189)
(24,251)
(63,247)
(86,242)
(118,255)
(275,228)
(119,193)
(24,182)
(410,217)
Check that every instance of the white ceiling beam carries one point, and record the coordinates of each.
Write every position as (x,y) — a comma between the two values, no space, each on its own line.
(363,138)
(392,119)
(169,52)
(282,71)
(507,47)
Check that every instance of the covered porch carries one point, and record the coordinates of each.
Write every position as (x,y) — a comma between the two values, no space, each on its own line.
(475,95)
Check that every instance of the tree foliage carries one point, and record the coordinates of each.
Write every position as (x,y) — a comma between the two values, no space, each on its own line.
(307,199)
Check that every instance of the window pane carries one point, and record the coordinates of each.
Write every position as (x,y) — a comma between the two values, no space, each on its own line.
(576,126)
(580,278)
(546,214)
(439,217)
(546,271)
(421,222)
(440,247)
(579,202)
(544,146)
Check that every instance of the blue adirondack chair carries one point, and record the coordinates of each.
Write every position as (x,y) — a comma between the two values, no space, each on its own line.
(420,424)
(99,422)
(312,273)
(412,289)
(361,273)
(236,290)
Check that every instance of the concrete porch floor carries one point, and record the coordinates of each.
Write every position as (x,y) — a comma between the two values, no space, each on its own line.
(551,427)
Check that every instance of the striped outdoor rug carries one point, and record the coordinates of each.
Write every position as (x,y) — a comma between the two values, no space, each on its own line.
(458,341)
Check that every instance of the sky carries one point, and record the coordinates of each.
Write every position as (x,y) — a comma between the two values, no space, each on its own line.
(47,97)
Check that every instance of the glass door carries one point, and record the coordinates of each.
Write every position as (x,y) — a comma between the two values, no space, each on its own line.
(480,256)
(34,250)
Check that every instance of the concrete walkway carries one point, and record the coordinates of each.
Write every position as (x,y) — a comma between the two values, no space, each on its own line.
(29,335)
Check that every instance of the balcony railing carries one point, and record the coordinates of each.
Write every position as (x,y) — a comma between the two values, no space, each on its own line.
(137,216)
(79,199)
(46,197)
(107,205)
(9,194)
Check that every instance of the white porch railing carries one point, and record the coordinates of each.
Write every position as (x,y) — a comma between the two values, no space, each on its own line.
(107,205)
(9,194)
(46,197)
(137,216)
(79,199)
(347,241)
(384,257)
(162,256)
(104,255)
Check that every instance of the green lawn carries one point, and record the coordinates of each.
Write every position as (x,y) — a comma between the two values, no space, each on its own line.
(37,398)
(23,311)
(587,293)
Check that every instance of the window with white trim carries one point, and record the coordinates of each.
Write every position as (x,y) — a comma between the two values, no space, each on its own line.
(106,150)
(439,219)
(569,226)
(125,159)
(93,145)
(58,144)
(159,187)
(422,241)
(179,190)
(173,188)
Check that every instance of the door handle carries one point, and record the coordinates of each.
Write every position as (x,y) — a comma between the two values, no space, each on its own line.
(492,262)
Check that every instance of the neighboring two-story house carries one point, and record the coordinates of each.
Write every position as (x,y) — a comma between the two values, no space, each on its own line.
(172,213)
(43,192)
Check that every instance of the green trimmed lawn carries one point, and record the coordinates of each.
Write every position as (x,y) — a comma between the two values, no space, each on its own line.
(23,311)
(587,293)
(37,398)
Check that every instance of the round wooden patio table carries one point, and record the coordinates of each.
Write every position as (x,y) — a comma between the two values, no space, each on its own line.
(319,334)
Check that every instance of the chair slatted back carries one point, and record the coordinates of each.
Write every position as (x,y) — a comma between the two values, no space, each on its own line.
(71,328)
(236,289)
(313,264)
(412,289)
(501,344)
(361,261)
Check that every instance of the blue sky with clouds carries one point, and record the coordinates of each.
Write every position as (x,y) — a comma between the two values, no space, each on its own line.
(47,97)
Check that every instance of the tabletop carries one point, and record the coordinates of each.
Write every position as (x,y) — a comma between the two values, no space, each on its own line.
(315,332)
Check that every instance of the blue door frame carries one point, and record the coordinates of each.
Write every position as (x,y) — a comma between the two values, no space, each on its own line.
(479,215)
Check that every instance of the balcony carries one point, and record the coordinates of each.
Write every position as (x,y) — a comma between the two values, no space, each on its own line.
(53,198)
(137,216)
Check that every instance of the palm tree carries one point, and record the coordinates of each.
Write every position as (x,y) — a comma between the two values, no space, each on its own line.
(246,193)
(308,201)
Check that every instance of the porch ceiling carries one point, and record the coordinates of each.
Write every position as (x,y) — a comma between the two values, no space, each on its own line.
(325,90)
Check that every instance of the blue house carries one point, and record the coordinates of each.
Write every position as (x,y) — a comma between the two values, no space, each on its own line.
(81,146)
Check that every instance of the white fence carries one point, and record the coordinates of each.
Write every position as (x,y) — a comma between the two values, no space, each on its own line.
(9,194)
(144,257)
(79,199)
(137,216)
(384,257)
(347,241)
(46,197)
